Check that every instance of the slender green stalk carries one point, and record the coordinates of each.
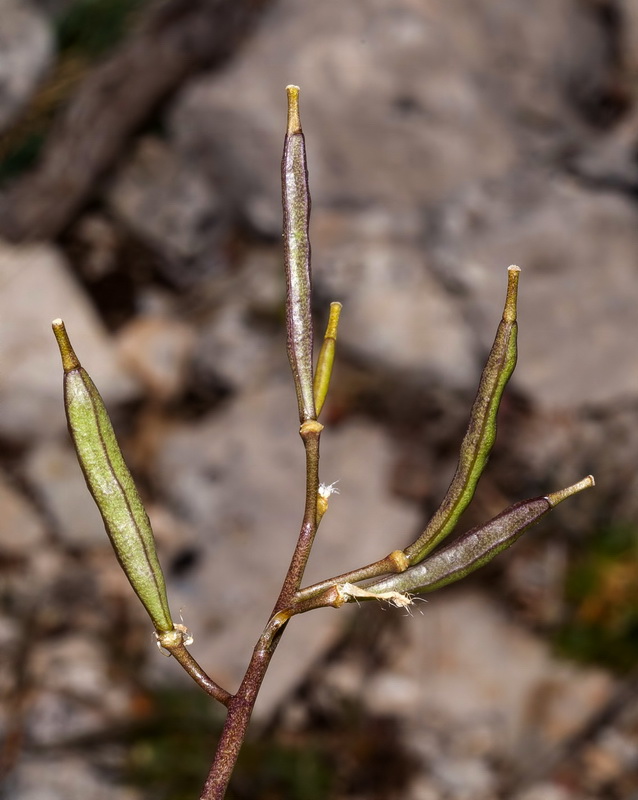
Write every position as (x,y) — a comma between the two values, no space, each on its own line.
(189,664)
(323,372)
(395,562)
(481,431)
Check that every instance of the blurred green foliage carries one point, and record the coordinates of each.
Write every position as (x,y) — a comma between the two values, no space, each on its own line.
(345,752)
(602,625)
(170,753)
(21,156)
(84,32)
(92,27)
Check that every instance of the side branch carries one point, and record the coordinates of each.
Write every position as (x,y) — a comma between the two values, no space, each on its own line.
(190,665)
(395,562)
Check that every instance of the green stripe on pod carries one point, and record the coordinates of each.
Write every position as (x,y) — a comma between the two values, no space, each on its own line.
(326,358)
(111,485)
(476,547)
(481,431)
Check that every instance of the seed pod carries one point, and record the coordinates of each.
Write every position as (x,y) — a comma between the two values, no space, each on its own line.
(111,485)
(296,205)
(323,373)
(476,547)
(481,431)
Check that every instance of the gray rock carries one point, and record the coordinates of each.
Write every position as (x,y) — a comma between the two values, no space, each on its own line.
(608,162)
(53,717)
(609,758)
(235,352)
(11,642)
(53,471)
(401,104)
(157,350)
(384,138)
(238,480)
(26,51)
(74,664)
(36,288)
(545,791)
(481,669)
(578,291)
(64,778)
(465,778)
(238,344)
(629,35)
(397,316)
(169,205)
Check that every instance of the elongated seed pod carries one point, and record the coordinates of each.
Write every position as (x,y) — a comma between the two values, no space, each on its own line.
(476,547)
(481,431)
(111,485)
(296,205)
(323,372)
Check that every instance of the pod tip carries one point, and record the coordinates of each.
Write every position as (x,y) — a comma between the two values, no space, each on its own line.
(294,122)
(333,320)
(557,497)
(69,360)
(509,312)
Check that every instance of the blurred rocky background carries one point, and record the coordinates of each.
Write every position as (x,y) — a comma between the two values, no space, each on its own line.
(139,200)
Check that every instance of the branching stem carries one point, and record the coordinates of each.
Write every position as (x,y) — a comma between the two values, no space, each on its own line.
(393,563)
(188,663)
(240,709)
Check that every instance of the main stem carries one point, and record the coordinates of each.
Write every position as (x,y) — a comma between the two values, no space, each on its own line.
(310,433)
(296,206)
(240,706)
(240,709)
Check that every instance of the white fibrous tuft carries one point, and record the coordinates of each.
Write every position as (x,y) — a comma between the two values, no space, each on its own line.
(397,599)
(326,489)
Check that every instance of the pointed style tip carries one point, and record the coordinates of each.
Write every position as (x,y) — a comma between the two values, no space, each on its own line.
(294,122)
(333,320)
(509,312)
(69,360)
(557,497)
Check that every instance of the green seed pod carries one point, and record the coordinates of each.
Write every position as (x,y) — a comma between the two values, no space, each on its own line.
(323,373)
(476,547)
(111,485)
(481,431)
